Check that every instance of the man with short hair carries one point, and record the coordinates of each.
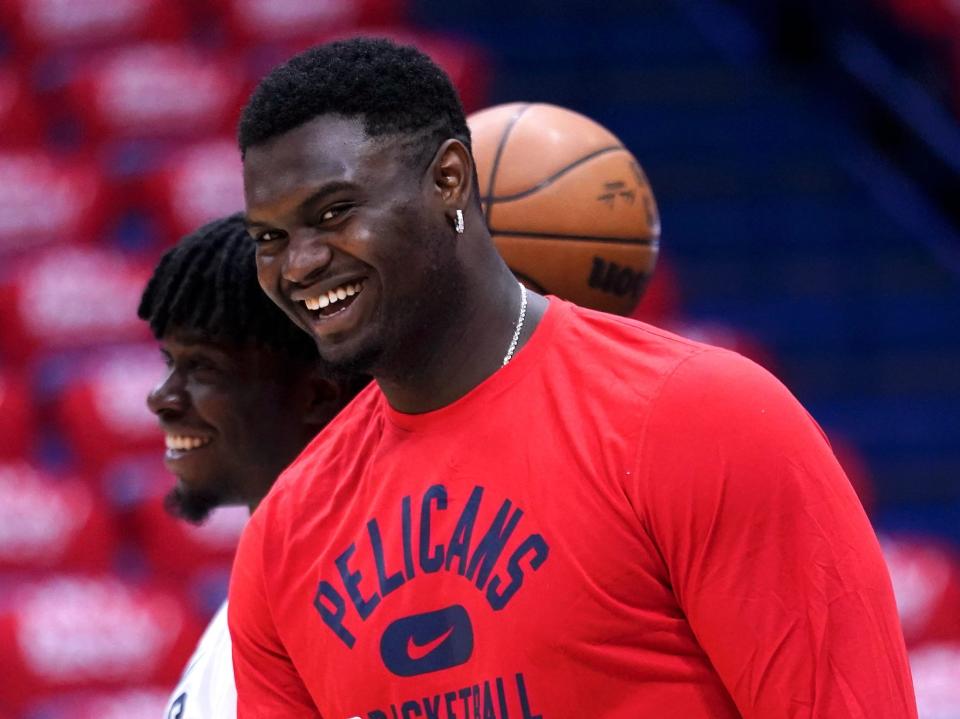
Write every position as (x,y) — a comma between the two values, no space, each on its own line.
(536,510)
(244,392)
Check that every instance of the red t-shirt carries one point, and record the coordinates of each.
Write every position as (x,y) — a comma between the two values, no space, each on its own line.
(620,523)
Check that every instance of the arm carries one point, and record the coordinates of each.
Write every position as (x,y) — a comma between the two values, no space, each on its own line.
(268,685)
(768,550)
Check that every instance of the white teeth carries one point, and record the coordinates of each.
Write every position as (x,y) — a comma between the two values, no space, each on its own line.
(182,442)
(336,295)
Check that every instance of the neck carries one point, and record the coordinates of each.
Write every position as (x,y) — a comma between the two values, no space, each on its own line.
(469,349)
(253,495)
(259,483)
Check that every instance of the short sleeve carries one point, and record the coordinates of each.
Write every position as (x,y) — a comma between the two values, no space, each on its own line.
(268,686)
(767,548)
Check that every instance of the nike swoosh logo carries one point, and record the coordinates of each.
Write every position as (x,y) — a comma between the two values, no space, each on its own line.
(416,651)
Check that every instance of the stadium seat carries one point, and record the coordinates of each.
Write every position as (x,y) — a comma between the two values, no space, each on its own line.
(936,680)
(728,336)
(42,26)
(252,22)
(18,419)
(49,523)
(465,62)
(932,18)
(21,122)
(155,90)
(166,541)
(69,297)
(661,301)
(194,186)
(926,581)
(67,632)
(855,467)
(48,200)
(139,703)
(103,411)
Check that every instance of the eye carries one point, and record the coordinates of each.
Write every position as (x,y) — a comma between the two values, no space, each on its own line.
(264,236)
(204,369)
(332,213)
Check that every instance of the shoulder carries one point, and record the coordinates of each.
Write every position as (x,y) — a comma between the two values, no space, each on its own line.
(718,391)
(622,359)
(603,328)
(602,340)
(723,431)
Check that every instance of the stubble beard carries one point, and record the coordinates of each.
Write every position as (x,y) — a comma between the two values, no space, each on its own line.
(404,341)
(191,505)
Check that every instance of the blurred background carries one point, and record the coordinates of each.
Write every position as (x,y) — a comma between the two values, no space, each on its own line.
(806,159)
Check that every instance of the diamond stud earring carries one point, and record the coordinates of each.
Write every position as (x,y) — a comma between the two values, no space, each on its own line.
(458,223)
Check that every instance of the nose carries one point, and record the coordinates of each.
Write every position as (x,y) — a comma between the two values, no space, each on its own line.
(168,398)
(307,256)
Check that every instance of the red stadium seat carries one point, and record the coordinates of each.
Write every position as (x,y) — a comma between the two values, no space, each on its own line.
(936,680)
(855,467)
(69,632)
(660,303)
(70,297)
(48,523)
(933,18)
(142,703)
(727,336)
(926,581)
(21,122)
(198,184)
(166,540)
(466,63)
(254,21)
(48,200)
(103,412)
(18,421)
(50,25)
(156,90)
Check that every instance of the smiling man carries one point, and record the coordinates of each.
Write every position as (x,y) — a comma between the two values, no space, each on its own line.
(243,393)
(536,510)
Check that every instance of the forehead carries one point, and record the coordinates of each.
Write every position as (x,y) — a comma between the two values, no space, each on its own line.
(327,149)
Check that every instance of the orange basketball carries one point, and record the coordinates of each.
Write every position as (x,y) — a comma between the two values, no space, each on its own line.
(568,206)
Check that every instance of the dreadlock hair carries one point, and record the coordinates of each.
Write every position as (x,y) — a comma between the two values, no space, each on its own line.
(396,90)
(207,284)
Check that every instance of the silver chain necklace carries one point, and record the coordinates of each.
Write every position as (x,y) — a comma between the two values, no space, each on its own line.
(516,334)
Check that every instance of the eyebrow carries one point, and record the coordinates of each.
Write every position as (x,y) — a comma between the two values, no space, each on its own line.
(201,346)
(329,189)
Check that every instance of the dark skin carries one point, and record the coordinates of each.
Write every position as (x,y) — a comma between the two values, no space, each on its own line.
(328,206)
(250,409)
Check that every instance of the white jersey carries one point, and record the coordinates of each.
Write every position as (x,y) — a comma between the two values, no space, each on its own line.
(207,689)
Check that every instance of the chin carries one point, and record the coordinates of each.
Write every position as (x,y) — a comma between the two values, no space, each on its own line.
(354,356)
(192,504)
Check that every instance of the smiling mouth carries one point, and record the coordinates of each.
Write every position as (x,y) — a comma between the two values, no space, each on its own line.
(185,443)
(334,301)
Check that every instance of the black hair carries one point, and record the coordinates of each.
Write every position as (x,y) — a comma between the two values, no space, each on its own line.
(394,89)
(207,284)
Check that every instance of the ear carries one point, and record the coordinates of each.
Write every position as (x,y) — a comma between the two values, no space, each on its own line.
(453,174)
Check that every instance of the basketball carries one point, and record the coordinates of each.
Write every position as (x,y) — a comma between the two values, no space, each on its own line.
(570,209)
